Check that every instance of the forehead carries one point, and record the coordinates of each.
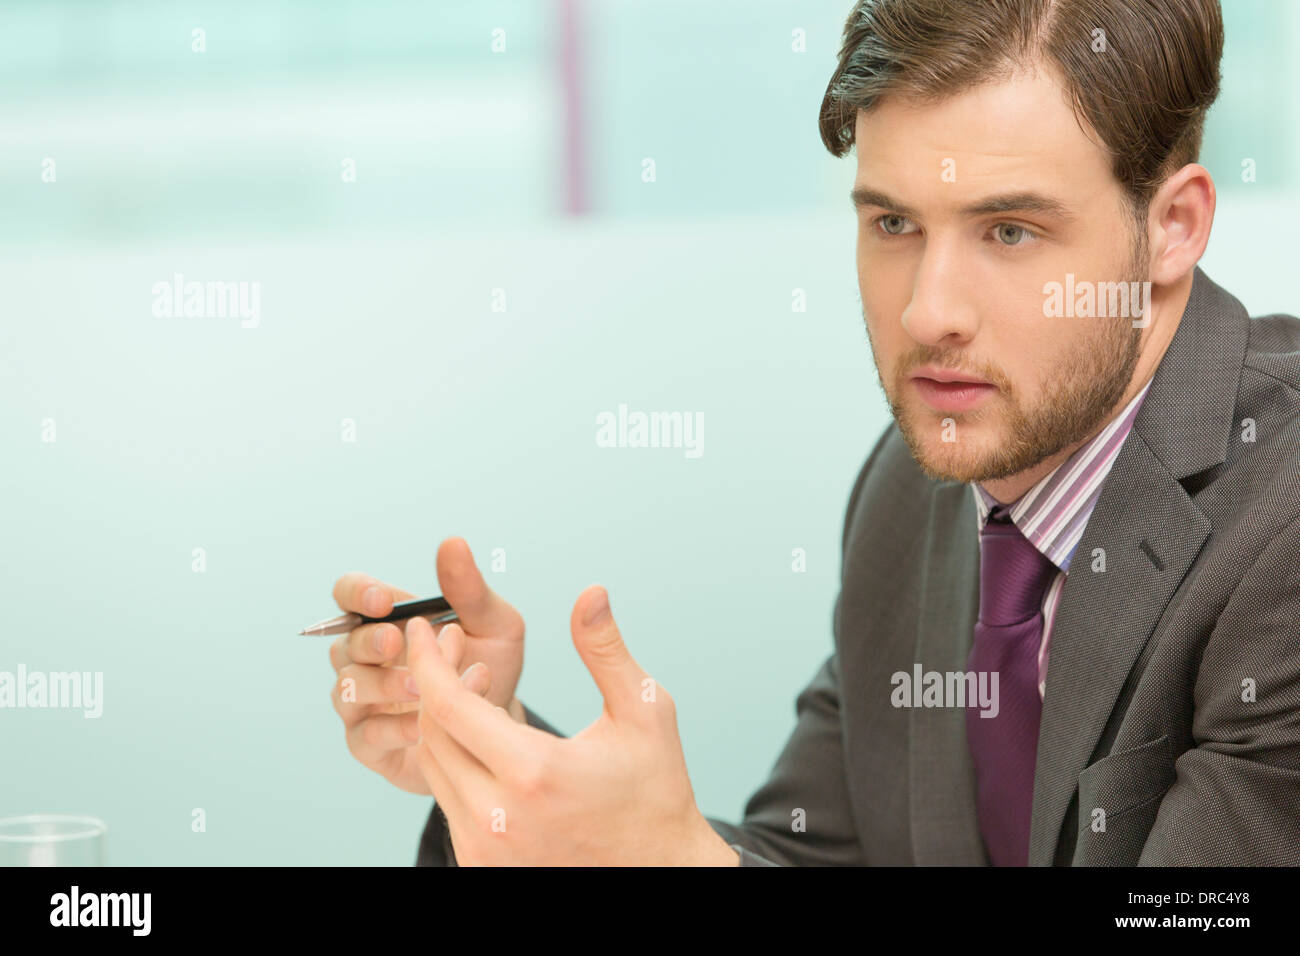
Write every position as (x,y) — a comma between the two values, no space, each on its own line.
(1018,131)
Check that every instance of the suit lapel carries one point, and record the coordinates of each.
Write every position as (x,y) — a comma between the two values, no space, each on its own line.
(945,829)
(1150,532)
(1104,620)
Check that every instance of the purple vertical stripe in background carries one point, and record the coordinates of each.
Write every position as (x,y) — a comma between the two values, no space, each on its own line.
(575,146)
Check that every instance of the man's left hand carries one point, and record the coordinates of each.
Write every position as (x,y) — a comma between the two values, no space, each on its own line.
(616,794)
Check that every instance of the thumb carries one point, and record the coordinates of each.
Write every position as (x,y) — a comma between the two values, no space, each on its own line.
(600,645)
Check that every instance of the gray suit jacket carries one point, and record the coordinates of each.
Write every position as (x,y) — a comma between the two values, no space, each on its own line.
(1148,753)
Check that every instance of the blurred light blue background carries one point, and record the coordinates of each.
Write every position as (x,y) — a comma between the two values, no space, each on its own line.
(376,306)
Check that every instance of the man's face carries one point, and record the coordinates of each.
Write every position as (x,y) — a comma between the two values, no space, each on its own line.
(968,208)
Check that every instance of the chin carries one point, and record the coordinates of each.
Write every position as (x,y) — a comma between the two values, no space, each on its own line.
(944,462)
(964,460)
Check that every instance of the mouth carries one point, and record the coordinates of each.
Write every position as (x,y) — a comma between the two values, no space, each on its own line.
(948,391)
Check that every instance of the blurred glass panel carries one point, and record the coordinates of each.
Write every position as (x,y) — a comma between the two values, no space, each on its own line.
(1260,79)
(257,133)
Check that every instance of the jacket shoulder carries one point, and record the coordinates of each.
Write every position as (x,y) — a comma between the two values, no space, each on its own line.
(1266,437)
(890,488)
(1274,349)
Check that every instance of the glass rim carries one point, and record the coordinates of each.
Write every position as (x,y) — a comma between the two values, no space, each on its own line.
(89,827)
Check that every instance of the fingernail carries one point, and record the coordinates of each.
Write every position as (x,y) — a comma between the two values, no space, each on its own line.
(372,598)
(599,609)
(380,639)
(412,687)
(465,677)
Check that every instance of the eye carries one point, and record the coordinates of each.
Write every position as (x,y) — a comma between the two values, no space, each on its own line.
(1009,234)
(894,225)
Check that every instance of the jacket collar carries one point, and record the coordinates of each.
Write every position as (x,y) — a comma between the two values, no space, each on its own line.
(1146,530)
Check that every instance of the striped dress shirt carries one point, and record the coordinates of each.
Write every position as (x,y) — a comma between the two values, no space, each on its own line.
(1053,513)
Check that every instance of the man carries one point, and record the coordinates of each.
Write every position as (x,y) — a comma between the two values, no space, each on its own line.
(1068,630)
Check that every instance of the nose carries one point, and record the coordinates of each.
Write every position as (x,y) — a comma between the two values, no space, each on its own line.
(941,312)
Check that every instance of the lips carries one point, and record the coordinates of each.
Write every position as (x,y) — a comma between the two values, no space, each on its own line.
(947,375)
(948,391)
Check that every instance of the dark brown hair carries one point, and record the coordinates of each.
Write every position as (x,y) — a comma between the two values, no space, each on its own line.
(1146,94)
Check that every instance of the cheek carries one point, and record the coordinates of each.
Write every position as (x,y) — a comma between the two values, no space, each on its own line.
(884,328)
(1025,344)
(1035,353)
(885,295)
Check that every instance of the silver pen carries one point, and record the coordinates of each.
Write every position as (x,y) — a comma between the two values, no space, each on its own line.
(436,610)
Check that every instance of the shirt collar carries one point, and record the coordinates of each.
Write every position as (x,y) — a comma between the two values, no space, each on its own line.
(1053,513)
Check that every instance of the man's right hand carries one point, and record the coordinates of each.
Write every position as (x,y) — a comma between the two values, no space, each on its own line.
(380,716)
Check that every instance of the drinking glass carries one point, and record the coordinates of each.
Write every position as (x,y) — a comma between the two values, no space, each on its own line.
(52,839)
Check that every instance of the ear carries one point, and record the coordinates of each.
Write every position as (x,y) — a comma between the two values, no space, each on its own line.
(1178,223)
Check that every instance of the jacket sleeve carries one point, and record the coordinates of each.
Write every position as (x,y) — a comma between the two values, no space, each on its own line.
(802,814)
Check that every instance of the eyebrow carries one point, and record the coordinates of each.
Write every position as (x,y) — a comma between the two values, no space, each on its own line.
(1003,202)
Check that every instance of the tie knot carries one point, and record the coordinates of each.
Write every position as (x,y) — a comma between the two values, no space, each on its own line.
(1014,574)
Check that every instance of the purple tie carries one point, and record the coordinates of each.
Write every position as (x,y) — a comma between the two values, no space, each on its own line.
(1013,578)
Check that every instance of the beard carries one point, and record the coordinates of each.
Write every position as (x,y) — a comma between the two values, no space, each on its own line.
(1079,395)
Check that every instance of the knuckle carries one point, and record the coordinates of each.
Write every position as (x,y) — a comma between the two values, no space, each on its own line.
(394,683)
(608,651)
(515,622)
(362,640)
(529,779)
(345,589)
(666,708)
(350,738)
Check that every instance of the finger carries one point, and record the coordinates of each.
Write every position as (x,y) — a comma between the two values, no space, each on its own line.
(363,594)
(374,739)
(488,733)
(444,791)
(381,644)
(368,644)
(339,653)
(600,645)
(438,751)
(478,678)
(473,783)
(367,684)
(452,642)
(375,735)
(433,742)
(432,737)
(480,609)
